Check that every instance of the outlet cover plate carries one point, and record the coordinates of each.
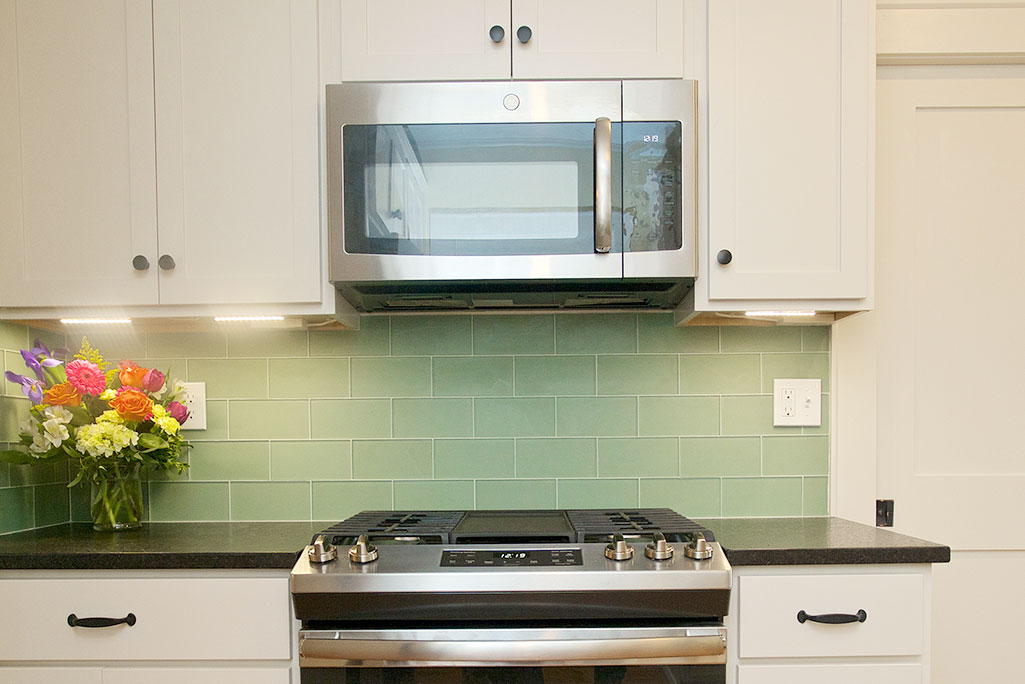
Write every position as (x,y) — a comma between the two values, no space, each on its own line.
(796,402)
(195,402)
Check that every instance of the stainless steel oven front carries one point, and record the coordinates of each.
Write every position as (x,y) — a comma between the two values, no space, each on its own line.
(519,183)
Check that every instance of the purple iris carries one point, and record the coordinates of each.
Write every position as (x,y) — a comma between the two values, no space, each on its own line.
(39,349)
(37,366)
(30,387)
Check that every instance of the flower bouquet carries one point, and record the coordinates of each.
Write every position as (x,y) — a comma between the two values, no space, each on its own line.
(110,423)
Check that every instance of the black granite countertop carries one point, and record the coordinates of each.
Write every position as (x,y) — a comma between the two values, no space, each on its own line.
(275,545)
(817,541)
(177,546)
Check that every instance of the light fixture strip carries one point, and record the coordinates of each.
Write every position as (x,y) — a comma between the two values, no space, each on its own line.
(238,319)
(95,321)
(778,314)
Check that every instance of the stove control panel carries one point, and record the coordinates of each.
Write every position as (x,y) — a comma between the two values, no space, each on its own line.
(505,558)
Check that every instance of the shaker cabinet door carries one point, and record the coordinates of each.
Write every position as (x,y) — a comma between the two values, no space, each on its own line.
(77,189)
(597,39)
(790,96)
(238,180)
(441,40)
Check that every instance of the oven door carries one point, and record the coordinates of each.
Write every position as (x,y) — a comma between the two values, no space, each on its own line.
(599,655)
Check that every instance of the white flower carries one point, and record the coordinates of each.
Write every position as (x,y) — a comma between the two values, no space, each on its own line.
(58,413)
(28,427)
(55,432)
(39,445)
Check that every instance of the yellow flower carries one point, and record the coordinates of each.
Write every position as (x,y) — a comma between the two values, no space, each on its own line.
(108,394)
(167,424)
(110,416)
(158,411)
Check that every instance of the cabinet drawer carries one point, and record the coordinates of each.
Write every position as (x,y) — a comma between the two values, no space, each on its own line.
(224,675)
(176,619)
(50,675)
(893,604)
(834,674)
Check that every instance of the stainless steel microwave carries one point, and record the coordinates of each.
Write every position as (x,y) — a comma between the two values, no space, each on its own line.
(483,195)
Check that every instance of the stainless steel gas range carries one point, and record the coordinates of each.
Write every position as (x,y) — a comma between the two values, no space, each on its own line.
(538,596)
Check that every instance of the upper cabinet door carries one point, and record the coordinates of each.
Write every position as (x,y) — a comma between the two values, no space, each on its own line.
(414,40)
(77,191)
(237,150)
(597,39)
(790,110)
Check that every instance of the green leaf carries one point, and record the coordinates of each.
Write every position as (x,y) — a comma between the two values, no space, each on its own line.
(78,478)
(16,457)
(151,441)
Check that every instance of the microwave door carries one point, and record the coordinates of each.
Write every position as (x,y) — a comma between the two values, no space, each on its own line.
(493,201)
(659,179)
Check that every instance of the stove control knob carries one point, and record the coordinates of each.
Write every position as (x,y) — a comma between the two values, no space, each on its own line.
(362,552)
(322,551)
(618,549)
(699,549)
(658,549)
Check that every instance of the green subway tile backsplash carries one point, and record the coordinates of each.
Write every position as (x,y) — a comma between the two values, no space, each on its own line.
(491,411)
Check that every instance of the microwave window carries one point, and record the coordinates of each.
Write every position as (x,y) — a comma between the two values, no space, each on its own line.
(471,189)
(653,186)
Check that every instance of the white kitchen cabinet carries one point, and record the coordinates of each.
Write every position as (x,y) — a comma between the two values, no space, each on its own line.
(790,155)
(445,40)
(195,626)
(771,644)
(237,150)
(160,153)
(77,183)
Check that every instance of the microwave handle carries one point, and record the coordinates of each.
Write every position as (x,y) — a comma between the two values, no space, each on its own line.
(602,185)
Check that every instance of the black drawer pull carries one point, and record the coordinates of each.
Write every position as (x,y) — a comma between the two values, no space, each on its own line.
(833,618)
(75,621)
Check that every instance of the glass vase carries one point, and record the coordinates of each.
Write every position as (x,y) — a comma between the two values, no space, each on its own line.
(116,502)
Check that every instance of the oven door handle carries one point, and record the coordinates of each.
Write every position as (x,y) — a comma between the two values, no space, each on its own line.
(666,650)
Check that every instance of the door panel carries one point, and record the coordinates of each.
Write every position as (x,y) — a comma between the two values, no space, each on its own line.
(237,150)
(77,189)
(598,39)
(441,40)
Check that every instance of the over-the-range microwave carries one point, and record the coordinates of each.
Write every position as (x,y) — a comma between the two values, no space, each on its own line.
(504,195)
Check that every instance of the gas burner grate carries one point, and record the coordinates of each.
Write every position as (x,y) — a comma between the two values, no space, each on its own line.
(426,525)
(593,525)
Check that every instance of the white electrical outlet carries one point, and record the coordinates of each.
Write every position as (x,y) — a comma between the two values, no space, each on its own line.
(796,402)
(195,402)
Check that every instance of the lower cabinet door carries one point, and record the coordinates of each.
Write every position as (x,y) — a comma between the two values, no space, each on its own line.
(50,675)
(253,675)
(910,673)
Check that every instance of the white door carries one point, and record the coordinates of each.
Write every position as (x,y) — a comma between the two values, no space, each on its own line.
(951,240)
(943,349)
(789,96)
(412,40)
(597,39)
(237,150)
(77,189)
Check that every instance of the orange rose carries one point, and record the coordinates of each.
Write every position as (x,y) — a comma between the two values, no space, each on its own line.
(63,394)
(131,375)
(131,404)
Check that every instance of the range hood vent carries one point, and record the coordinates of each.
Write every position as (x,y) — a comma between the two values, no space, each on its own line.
(489,295)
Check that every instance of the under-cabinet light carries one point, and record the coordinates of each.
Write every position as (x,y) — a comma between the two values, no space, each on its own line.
(779,313)
(237,319)
(95,321)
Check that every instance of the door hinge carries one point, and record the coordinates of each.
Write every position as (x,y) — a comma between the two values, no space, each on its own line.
(884,512)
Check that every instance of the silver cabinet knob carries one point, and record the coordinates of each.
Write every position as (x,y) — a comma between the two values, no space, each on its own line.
(322,551)
(166,262)
(362,552)
(618,549)
(140,263)
(658,549)
(699,549)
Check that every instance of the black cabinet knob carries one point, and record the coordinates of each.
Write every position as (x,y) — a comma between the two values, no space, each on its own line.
(140,263)
(166,262)
(724,256)
(523,34)
(497,33)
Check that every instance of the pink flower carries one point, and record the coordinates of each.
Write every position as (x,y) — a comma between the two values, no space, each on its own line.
(86,377)
(178,411)
(153,380)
